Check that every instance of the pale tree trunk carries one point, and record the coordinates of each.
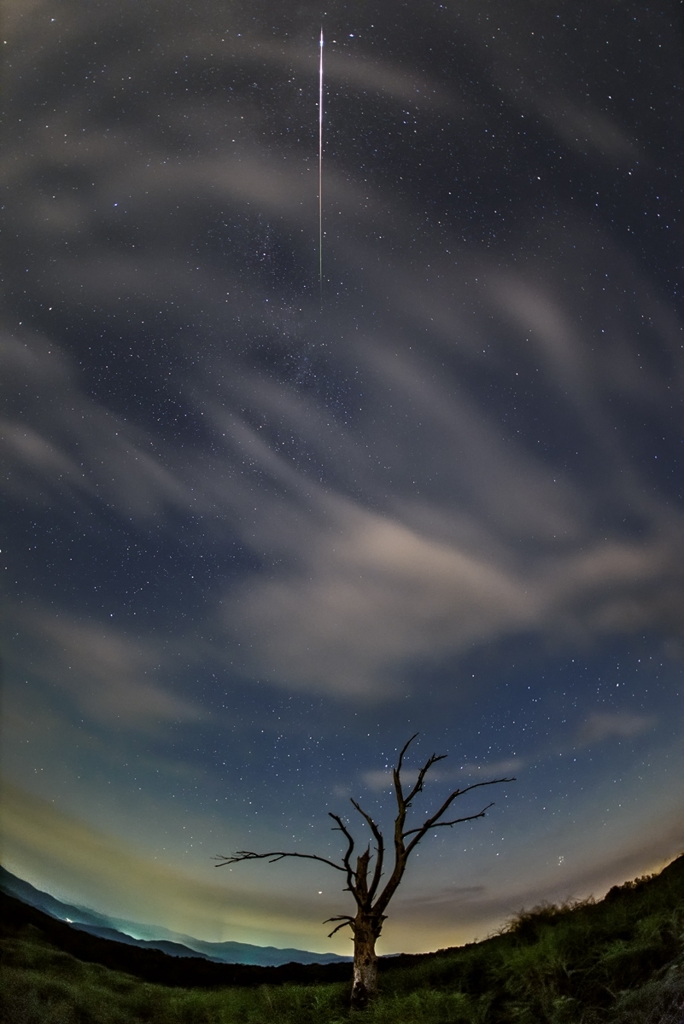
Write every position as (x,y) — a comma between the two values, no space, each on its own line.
(365,985)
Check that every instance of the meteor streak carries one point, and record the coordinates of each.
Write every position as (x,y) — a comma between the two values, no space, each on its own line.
(320,167)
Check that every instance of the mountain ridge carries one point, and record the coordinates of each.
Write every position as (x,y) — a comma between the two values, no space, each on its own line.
(161,939)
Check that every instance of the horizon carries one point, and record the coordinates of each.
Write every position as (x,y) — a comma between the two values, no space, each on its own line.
(163,934)
(140,931)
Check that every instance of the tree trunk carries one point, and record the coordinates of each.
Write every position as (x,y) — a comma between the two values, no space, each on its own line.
(365,984)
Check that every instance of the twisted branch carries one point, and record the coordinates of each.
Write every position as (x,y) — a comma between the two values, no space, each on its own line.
(276,855)
(377,835)
(341,827)
(345,920)
(371,906)
(432,821)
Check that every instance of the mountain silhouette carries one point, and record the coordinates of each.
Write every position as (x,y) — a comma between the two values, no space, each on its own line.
(151,937)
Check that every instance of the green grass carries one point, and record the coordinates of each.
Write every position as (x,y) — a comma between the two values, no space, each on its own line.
(620,961)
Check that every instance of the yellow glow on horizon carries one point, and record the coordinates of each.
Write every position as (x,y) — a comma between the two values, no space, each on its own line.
(41,843)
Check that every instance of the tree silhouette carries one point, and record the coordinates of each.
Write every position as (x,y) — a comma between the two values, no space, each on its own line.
(372,900)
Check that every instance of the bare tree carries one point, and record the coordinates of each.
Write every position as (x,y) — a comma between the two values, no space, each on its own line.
(371,900)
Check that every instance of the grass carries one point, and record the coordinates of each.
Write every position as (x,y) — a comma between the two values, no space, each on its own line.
(620,961)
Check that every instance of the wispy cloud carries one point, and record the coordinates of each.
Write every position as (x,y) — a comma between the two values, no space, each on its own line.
(492,768)
(111,677)
(602,725)
(367,597)
(371,596)
(447,897)
(356,596)
(380,779)
(402,517)
(66,447)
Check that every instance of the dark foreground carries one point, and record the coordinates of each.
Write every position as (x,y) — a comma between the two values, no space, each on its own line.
(620,961)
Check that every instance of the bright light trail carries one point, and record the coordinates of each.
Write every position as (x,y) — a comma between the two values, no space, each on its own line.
(320,167)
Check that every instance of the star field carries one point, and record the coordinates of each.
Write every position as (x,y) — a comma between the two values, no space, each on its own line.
(255,540)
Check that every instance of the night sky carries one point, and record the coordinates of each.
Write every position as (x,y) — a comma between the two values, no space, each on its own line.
(256,537)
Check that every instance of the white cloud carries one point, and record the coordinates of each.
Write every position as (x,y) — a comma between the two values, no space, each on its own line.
(380,779)
(580,127)
(601,725)
(356,598)
(111,677)
(365,597)
(66,445)
(369,598)
(493,768)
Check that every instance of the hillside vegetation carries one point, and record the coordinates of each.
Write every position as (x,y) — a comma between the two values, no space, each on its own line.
(619,961)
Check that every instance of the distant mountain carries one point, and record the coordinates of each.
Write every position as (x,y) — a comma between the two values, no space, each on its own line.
(151,937)
(20,919)
(24,891)
(170,948)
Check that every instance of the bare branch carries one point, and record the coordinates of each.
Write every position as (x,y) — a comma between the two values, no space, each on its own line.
(396,775)
(373,826)
(430,823)
(276,855)
(346,860)
(344,920)
(377,835)
(404,749)
(456,821)
(372,899)
(421,776)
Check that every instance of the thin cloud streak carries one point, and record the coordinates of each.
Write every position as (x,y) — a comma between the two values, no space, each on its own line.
(602,725)
(111,678)
(361,596)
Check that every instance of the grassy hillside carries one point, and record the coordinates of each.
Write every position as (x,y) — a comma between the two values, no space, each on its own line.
(620,961)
